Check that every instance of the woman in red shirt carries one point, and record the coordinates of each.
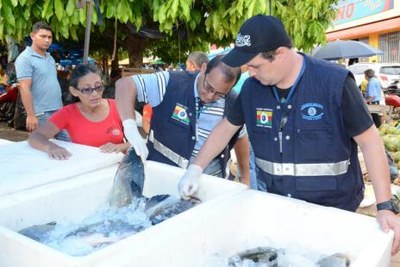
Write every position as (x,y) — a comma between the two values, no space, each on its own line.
(91,120)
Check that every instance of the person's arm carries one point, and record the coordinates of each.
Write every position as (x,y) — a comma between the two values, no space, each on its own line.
(242,152)
(39,139)
(125,96)
(377,164)
(359,125)
(115,148)
(215,143)
(378,171)
(26,97)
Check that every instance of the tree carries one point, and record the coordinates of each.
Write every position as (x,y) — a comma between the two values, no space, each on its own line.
(185,25)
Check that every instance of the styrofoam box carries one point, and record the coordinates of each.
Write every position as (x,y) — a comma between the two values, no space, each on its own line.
(230,220)
(253,218)
(23,167)
(76,198)
(5,142)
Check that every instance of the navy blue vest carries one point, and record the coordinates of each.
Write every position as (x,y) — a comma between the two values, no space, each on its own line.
(179,135)
(313,134)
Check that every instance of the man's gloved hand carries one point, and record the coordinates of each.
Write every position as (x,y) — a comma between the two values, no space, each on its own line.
(132,134)
(189,183)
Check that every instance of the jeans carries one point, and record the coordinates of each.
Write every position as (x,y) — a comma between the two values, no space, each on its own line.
(44,116)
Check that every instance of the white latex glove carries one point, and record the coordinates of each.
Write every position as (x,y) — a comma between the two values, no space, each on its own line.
(135,139)
(189,183)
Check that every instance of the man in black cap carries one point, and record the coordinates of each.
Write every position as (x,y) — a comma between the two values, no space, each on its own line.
(305,120)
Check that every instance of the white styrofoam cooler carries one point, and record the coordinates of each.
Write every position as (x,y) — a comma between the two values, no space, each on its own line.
(247,219)
(252,217)
(223,225)
(74,199)
(230,219)
(5,142)
(23,167)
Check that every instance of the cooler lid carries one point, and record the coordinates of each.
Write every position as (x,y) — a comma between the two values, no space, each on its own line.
(23,167)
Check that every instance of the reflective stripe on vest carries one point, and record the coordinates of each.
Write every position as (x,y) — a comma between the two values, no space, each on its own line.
(304,169)
(168,153)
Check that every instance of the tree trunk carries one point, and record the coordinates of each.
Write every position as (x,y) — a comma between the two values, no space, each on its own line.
(115,64)
(106,72)
(135,46)
(115,73)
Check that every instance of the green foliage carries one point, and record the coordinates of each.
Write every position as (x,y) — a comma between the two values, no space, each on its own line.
(172,50)
(195,23)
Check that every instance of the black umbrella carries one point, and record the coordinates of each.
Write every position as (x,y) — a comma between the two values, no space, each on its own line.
(345,49)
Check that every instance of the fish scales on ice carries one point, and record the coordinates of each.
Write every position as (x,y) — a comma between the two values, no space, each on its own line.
(128,186)
(162,207)
(261,256)
(272,257)
(127,190)
(39,232)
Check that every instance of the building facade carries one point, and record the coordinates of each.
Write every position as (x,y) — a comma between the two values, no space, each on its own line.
(375,22)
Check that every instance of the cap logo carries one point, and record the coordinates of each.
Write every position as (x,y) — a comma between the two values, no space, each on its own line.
(243,40)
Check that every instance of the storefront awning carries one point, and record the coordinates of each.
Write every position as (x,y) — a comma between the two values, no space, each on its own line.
(364,30)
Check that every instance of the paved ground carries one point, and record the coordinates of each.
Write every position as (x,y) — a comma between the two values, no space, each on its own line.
(11,134)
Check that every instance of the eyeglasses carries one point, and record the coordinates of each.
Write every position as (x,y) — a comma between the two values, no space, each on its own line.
(89,91)
(211,90)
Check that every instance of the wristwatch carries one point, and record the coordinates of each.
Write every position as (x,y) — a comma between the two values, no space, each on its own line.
(393,205)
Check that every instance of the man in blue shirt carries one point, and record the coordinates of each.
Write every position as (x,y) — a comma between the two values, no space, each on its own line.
(37,77)
(374,91)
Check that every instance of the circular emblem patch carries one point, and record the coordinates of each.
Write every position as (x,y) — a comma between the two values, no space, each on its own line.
(182,114)
(264,118)
(312,111)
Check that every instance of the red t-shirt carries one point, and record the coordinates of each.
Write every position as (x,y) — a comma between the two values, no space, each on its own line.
(85,132)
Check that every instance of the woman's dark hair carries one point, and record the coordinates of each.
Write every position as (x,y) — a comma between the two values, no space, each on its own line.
(79,72)
(83,70)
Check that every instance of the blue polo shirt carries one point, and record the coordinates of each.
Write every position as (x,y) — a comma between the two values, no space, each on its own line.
(45,89)
(374,89)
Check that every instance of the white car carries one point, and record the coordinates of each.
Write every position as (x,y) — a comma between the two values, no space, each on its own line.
(387,73)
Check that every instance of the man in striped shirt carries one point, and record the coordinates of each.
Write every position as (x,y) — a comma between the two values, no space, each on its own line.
(186,107)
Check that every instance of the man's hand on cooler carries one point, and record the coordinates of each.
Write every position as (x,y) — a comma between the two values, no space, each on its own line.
(132,134)
(388,220)
(189,183)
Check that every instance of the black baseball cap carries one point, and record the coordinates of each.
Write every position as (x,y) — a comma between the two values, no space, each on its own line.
(258,34)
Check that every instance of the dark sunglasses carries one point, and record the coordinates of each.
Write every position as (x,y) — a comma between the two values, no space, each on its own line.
(89,91)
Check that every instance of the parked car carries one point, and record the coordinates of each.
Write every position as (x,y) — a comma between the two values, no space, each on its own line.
(387,73)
